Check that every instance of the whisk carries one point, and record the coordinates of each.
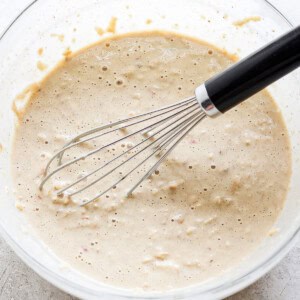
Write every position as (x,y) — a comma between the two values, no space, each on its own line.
(158,132)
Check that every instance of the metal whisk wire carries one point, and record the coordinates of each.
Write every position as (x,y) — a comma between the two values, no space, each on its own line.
(175,122)
(76,140)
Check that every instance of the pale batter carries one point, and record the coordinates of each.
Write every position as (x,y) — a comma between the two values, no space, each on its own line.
(209,206)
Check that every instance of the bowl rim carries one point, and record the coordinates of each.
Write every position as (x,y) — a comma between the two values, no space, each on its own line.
(223,290)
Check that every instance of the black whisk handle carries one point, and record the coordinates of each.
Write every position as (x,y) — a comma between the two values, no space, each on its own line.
(255,72)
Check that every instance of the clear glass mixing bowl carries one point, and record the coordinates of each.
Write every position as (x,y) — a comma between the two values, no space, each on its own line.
(75,21)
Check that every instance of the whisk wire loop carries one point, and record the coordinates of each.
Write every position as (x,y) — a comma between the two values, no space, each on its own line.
(164,128)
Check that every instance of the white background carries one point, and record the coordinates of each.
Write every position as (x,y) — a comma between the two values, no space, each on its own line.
(17,281)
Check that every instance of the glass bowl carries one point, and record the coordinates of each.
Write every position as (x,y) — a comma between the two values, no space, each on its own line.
(55,25)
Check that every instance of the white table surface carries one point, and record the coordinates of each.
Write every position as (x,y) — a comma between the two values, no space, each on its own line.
(18,282)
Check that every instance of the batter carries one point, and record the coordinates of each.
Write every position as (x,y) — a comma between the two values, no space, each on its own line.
(206,208)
